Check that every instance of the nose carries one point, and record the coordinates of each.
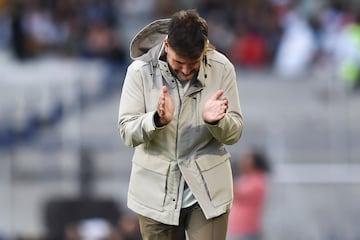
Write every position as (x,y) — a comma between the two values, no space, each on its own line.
(186,70)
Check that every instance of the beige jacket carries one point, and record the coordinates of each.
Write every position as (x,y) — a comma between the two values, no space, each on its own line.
(187,149)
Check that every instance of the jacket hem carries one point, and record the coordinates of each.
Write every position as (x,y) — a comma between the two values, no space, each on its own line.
(162,217)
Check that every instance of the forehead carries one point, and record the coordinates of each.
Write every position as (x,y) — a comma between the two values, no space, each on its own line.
(181,59)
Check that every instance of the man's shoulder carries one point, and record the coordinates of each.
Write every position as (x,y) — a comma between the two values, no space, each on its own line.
(216,56)
(137,65)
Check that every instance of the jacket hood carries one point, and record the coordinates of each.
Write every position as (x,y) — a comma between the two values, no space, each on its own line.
(148,42)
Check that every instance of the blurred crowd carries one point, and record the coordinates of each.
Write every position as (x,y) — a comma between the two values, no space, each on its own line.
(285,34)
(68,28)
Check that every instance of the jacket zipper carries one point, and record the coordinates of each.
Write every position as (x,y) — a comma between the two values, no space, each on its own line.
(177,127)
(176,140)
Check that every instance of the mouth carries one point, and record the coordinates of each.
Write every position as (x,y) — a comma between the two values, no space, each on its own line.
(186,76)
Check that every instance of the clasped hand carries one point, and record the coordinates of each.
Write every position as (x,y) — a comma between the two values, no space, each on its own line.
(214,109)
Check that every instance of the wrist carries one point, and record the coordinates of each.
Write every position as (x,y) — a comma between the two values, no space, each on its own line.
(212,123)
(159,122)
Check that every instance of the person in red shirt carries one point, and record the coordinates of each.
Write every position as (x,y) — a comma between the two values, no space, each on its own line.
(249,197)
(249,50)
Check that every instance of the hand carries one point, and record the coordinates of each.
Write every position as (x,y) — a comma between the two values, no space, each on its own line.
(165,107)
(215,108)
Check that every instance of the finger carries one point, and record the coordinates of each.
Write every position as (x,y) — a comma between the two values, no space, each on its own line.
(225,109)
(161,101)
(226,104)
(161,104)
(217,95)
(161,110)
(162,97)
(222,108)
(165,90)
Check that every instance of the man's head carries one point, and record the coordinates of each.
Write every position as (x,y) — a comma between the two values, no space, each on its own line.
(186,43)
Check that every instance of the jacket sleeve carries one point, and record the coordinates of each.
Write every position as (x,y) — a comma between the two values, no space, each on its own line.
(135,125)
(229,129)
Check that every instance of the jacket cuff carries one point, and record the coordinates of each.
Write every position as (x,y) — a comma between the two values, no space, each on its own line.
(155,121)
(214,124)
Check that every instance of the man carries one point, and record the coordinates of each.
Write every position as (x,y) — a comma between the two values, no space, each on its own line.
(178,108)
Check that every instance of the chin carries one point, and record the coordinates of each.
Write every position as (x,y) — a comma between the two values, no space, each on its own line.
(187,78)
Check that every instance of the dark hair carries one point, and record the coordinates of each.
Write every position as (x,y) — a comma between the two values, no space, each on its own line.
(260,161)
(187,34)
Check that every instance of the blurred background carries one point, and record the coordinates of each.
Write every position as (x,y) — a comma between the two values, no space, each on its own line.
(63,168)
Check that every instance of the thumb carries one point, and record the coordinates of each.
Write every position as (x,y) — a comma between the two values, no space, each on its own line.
(217,95)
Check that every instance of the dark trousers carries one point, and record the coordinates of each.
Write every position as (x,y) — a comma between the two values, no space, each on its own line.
(192,221)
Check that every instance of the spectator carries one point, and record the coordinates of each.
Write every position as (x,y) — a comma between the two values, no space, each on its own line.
(101,42)
(129,227)
(42,32)
(249,49)
(249,197)
(4,26)
(347,54)
(96,11)
(297,45)
(332,19)
(18,36)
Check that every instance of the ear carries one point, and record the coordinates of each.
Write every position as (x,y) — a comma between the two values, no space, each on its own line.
(166,45)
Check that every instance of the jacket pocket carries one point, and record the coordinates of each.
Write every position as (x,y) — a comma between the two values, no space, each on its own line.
(148,182)
(217,177)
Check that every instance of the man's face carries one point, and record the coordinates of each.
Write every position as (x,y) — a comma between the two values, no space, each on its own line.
(183,68)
